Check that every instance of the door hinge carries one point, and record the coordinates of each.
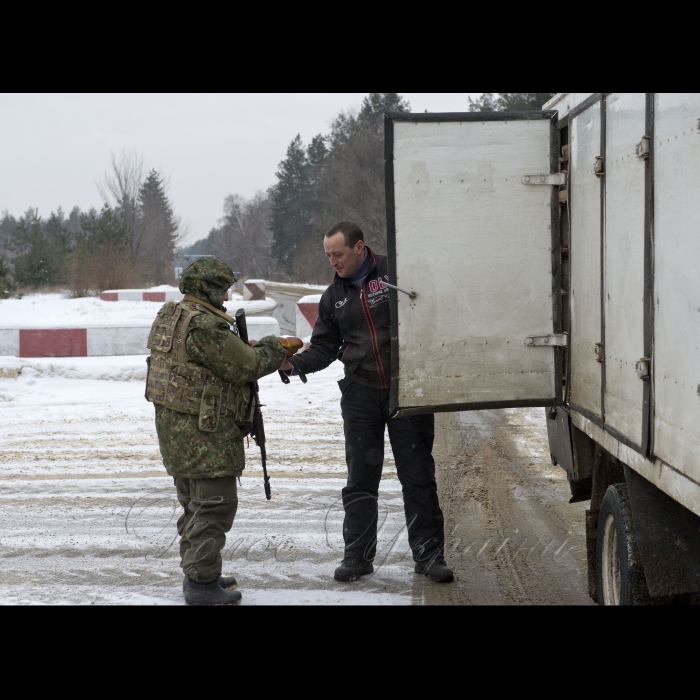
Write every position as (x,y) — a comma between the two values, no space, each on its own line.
(599,353)
(551,179)
(642,367)
(643,148)
(562,340)
(598,166)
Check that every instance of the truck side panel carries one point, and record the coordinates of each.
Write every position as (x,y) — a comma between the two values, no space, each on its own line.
(624,264)
(676,369)
(585,256)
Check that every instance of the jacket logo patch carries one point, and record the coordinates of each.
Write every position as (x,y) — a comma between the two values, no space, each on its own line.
(338,304)
(376,285)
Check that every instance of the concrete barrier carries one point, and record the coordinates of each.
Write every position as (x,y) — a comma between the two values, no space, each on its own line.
(253,290)
(260,326)
(9,342)
(117,340)
(140,295)
(306,315)
(99,341)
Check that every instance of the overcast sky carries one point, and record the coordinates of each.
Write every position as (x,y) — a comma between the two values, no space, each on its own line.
(53,148)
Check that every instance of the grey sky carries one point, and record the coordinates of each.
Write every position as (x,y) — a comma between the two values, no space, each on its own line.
(53,148)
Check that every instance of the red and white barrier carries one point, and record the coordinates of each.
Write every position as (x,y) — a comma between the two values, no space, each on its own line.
(75,342)
(140,295)
(307,313)
(253,290)
(99,341)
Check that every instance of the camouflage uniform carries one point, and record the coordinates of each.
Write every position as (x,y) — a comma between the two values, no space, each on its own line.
(197,379)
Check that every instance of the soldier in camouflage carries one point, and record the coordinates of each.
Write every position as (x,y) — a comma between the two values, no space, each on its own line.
(198,374)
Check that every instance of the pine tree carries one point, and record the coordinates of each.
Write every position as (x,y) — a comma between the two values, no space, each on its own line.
(39,256)
(292,202)
(7,226)
(156,230)
(7,283)
(352,182)
(509,101)
(340,176)
(100,258)
(377,103)
(59,240)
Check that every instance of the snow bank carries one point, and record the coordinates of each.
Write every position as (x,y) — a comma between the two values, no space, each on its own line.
(253,307)
(122,369)
(55,311)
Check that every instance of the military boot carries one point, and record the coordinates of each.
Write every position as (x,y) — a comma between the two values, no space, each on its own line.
(435,569)
(210,594)
(228,583)
(351,569)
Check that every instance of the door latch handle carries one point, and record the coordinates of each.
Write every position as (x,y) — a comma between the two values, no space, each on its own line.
(599,352)
(643,367)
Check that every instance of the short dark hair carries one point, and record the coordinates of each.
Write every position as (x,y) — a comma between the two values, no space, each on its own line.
(351,232)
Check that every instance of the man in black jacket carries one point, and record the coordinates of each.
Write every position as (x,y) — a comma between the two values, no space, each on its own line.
(353,326)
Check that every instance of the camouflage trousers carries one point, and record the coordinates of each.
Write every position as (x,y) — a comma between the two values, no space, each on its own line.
(209,509)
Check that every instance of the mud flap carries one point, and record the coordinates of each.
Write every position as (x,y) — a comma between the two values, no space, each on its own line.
(559,435)
(560,449)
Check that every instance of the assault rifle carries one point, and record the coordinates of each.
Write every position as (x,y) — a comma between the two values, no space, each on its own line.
(254,419)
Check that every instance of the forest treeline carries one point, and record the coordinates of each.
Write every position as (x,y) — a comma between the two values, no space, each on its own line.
(130,242)
(275,234)
(340,175)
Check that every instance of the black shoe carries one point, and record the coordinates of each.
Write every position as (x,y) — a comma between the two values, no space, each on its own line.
(351,569)
(228,583)
(210,594)
(435,570)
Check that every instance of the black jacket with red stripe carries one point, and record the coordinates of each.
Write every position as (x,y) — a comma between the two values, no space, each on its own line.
(354,327)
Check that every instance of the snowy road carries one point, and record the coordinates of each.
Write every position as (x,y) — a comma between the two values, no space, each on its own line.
(88,512)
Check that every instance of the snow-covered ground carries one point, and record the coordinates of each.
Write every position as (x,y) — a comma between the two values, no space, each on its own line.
(56,311)
(88,513)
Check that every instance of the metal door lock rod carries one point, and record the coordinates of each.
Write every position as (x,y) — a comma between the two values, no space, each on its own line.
(413,295)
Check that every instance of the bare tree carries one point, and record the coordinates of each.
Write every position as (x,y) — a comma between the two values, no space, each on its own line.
(120,187)
(142,199)
(244,237)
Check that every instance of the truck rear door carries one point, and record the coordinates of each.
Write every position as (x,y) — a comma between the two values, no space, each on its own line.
(472,220)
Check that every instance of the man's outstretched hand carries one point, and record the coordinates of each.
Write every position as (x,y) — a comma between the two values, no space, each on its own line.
(292,346)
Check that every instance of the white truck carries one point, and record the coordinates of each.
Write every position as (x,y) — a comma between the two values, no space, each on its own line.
(555,258)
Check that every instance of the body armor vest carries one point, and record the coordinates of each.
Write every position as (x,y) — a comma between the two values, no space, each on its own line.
(175,381)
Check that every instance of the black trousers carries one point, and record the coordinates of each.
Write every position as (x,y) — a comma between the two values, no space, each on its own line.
(365,416)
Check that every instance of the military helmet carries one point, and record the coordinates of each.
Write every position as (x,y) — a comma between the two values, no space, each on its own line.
(208,279)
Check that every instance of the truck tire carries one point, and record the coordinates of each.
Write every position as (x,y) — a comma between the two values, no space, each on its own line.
(619,570)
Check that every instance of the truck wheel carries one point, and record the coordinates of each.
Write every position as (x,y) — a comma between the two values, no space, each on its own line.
(620,573)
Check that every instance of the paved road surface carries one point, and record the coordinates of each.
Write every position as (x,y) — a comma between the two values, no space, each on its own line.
(88,512)
(285,312)
(513,538)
